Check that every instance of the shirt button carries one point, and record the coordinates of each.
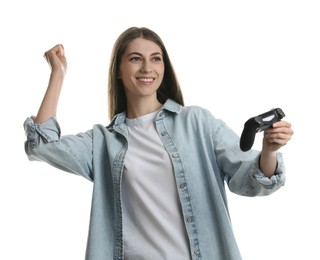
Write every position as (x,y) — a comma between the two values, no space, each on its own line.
(175,155)
(182,185)
(161,114)
(189,219)
(163,133)
(196,251)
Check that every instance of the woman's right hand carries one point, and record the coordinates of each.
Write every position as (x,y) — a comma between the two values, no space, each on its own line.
(56,59)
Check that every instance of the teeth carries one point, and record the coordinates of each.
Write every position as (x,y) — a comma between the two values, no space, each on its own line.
(146,79)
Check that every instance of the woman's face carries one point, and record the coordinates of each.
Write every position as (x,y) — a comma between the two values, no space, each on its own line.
(141,69)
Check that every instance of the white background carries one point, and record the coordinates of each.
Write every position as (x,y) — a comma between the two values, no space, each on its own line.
(236,58)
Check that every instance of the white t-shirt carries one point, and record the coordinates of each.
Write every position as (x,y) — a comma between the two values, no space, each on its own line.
(152,218)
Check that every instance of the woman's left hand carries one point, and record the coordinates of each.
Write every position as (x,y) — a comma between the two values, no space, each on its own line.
(277,136)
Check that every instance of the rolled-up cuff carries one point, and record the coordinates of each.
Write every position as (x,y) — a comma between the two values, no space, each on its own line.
(276,180)
(48,131)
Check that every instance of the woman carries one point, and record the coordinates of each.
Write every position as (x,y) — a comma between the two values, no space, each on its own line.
(159,169)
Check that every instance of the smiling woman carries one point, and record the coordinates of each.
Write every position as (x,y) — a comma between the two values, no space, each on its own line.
(141,71)
(169,86)
(159,168)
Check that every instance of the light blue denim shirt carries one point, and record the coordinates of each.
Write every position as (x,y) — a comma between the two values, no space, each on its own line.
(205,156)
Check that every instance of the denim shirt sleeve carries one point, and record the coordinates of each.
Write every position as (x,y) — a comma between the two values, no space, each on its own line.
(256,183)
(241,169)
(278,179)
(71,153)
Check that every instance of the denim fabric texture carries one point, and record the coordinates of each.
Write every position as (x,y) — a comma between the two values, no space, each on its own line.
(206,158)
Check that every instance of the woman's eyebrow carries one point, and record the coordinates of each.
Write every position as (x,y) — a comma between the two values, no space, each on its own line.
(140,54)
(156,53)
(134,53)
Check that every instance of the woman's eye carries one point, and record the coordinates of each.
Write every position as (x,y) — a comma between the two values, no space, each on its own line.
(157,59)
(135,59)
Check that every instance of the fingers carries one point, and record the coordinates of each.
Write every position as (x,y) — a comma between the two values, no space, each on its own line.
(56,57)
(281,127)
(280,133)
(281,123)
(278,138)
(57,50)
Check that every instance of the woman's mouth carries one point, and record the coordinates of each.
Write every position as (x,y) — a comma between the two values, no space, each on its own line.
(146,80)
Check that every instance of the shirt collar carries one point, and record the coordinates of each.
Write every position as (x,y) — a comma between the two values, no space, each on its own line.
(169,105)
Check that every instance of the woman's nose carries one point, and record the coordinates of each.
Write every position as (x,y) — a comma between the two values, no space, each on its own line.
(146,67)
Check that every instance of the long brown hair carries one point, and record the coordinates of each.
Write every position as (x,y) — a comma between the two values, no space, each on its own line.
(169,87)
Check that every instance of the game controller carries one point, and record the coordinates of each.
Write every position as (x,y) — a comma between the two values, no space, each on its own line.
(257,124)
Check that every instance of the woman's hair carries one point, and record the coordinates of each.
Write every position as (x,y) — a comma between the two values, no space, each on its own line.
(169,87)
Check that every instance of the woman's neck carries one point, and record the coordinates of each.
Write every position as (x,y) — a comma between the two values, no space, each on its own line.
(143,106)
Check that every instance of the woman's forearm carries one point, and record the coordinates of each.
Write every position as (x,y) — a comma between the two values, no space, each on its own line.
(48,107)
(268,163)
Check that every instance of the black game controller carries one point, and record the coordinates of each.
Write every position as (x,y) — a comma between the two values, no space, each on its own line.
(257,124)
